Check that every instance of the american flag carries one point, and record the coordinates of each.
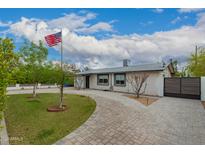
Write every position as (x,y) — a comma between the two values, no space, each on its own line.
(53,39)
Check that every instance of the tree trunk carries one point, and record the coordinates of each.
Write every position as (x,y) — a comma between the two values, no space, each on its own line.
(34,90)
(61,96)
(138,95)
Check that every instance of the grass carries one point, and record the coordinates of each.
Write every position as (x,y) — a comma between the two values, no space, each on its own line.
(28,121)
(143,100)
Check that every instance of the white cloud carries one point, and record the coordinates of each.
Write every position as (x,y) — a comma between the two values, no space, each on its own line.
(71,21)
(177,19)
(78,23)
(201,20)
(101,26)
(158,10)
(5,24)
(189,10)
(109,52)
(186,17)
(27,28)
(146,23)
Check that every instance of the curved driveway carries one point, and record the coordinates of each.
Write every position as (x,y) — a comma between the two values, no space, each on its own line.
(120,120)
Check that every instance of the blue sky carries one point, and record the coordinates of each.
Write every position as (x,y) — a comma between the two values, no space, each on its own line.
(103,37)
(127,20)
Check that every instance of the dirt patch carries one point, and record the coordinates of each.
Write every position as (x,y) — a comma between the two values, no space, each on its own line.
(203,103)
(56,108)
(144,100)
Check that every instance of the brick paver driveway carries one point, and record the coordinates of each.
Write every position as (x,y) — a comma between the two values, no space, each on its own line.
(120,120)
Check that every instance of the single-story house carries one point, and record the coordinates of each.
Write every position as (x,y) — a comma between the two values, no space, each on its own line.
(115,79)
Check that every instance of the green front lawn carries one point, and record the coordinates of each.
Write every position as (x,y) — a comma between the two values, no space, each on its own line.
(28,121)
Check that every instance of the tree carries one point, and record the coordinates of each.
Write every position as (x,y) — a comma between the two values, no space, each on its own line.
(19,75)
(48,74)
(137,81)
(196,64)
(8,61)
(179,73)
(68,73)
(175,66)
(33,57)
(60,76)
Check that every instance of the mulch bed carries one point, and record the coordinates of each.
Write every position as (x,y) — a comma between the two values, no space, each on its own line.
(143,100)
(56,108)
(203,103)
(31,97)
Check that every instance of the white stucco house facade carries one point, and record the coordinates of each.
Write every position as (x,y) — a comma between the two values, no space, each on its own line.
(115,79)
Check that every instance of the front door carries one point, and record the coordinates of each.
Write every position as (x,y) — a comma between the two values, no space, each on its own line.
(87,82)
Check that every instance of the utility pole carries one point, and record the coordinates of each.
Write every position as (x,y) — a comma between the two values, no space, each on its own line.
(196,54)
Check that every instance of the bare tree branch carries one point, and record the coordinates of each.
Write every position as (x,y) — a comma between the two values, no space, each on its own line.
(137,80)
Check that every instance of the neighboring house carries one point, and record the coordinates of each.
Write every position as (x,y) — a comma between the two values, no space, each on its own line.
(115,79)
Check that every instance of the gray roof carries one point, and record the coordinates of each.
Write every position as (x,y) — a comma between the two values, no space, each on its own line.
(137,68)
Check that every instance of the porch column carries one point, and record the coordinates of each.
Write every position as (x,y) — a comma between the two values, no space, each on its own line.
(111,81)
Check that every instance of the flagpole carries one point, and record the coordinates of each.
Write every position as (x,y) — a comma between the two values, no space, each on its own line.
(62,83)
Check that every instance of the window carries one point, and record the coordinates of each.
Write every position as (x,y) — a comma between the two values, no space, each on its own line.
(103,79)
(120,80)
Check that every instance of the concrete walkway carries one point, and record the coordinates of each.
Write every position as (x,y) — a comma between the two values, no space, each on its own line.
(120,120)
(4,140)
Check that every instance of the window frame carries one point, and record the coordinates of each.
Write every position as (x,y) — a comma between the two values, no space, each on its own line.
(102,84)
(120,85)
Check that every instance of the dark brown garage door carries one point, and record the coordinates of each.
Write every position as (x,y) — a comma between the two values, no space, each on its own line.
(189,87)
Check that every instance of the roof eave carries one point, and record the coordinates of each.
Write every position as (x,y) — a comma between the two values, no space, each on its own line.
(89,73)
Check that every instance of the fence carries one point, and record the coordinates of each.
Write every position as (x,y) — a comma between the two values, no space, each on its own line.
(30,86)
(187,87)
